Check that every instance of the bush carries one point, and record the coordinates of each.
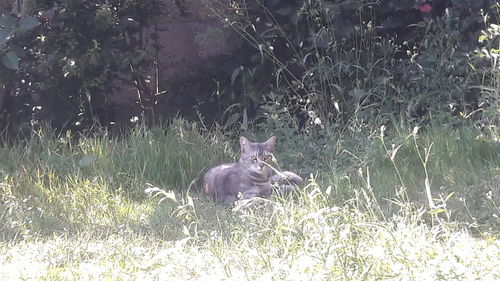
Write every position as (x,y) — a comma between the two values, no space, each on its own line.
(373,61)
(72,62)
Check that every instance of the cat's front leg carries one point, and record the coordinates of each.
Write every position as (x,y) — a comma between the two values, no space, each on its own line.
(250,193)
(229,199)
(256,191)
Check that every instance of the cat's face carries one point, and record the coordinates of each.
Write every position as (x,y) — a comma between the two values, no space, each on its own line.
(257,156)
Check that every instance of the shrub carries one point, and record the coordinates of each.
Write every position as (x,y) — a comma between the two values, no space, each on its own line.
(374,61)
(72,62)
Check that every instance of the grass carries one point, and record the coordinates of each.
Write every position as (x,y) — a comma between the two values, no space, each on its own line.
(76,208)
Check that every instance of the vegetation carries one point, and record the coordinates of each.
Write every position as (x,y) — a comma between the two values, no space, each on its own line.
(71,59)
(398,140)
(77,208)
(331,60)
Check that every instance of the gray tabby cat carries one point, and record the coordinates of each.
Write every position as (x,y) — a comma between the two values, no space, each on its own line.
(250,177)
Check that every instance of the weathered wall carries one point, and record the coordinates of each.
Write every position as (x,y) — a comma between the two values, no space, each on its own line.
(189,36)
(194,47)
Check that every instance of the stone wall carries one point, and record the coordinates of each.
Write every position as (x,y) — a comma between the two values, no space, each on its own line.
(194,47)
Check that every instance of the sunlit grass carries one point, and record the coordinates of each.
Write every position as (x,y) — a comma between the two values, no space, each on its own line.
(280,239)
(76,208)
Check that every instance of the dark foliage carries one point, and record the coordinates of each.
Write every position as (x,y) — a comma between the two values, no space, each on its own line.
(373,59)
(329,60)
(72,62)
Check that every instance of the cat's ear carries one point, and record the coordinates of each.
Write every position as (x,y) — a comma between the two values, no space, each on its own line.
(270,143)
(244,144)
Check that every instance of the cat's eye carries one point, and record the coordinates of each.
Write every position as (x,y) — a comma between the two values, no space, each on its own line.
(268,157)
(253,158)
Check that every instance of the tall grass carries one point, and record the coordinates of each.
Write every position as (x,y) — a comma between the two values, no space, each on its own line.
(438,164)
(53,185)
(301,238)
(74,207)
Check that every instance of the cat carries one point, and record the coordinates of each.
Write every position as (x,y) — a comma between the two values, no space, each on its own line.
(251,176)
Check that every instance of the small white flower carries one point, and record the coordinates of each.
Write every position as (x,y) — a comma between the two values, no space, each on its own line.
(415,131)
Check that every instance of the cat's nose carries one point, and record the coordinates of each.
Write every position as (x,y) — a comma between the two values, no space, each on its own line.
(261,165)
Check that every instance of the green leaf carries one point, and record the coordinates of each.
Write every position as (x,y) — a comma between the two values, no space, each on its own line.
(28,22)
(448,196)
(86,160)
(436,211)
(4,35)
(11,60)
(235,74)
(7,21)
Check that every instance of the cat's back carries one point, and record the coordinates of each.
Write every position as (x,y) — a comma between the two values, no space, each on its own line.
(215,174)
